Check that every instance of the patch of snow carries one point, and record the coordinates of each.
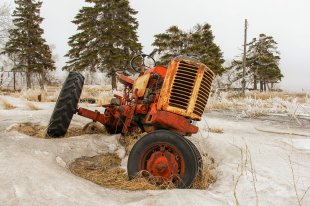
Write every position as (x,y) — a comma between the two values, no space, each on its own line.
(302,144)
(60,161)
(30,173)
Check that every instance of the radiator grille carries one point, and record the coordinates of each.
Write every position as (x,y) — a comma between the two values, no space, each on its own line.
(186,88)
(203,93)
(183,85)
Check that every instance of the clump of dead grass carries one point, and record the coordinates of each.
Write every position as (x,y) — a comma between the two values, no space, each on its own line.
(254,113)
(206,176)
(216,130)
(104,170)
(94,128)
(39,131)
(32,106)
(30,129)
(36,95)
(33,95)
(6,105)
(217,105)
(130,140)
(268,95)
(99,93)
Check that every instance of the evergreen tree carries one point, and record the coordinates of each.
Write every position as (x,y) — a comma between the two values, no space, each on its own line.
(170,44)
(198,43)
(107,38)
(31,53)
(262,62)
(83,54)
(201,44)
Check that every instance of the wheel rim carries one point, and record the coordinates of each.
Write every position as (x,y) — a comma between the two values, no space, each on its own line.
(164,162)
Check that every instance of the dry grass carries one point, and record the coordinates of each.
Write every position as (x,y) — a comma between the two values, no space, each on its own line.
(105,170)
(32,106)
(36,95)
(6,105)
(217,105)
(206,177)
(33,95)
(103,100)
(280,95)
(216,130)
(256,104)
(102,94)
(39,131)
(301,97)
(30,129)
(129,141)
(254,113)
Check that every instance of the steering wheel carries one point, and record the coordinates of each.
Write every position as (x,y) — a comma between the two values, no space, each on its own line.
(141,62)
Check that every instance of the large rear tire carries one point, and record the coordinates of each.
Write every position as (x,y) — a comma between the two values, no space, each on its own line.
(66,105)
(198,156)
(164,154)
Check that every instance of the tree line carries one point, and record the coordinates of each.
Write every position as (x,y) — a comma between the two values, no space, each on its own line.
(106,40)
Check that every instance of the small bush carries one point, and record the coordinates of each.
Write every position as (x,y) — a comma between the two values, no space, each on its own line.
(32,106)
(6,105)
(216,130)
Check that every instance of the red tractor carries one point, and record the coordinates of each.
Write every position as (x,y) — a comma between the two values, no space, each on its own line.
(163,102)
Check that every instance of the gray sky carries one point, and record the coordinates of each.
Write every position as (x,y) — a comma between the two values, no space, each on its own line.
(285,20)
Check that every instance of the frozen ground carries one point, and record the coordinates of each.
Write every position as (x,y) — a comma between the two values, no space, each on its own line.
(268,150)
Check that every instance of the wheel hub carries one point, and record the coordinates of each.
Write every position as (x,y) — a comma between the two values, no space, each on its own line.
(163,163)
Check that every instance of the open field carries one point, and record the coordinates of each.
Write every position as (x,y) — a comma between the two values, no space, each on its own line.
(259,159)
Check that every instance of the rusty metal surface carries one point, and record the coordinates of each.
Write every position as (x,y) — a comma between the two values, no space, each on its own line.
(160,161)
(94,115)
(126,80)
(158,70)
(140,84)
(186,88)
(173,122)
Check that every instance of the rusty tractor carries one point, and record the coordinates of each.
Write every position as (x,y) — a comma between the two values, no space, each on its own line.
(163,102)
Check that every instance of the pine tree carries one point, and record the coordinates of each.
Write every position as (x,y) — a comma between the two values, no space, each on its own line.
(83,53)
(31,53)
(262,62)
(198,43)
(201,45)
(107,38)
(170,44)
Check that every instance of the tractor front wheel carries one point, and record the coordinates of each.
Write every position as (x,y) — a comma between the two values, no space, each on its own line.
(66,105)
(166,156)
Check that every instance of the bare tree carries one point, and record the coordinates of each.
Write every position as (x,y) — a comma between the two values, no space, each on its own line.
(5,23)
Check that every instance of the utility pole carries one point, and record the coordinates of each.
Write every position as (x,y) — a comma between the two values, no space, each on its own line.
(244,55)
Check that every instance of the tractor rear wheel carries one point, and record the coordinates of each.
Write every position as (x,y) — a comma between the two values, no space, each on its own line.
(66,105)
(166,156)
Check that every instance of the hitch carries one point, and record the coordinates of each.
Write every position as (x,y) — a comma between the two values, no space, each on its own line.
(96,116)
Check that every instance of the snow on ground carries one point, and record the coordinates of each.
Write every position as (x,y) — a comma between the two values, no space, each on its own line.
(33,171)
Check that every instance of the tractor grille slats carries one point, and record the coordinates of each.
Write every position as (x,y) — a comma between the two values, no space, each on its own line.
(203,94)
(183,85)
(189,89)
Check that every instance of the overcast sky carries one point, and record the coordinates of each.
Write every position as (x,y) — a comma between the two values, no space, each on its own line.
(286,20)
